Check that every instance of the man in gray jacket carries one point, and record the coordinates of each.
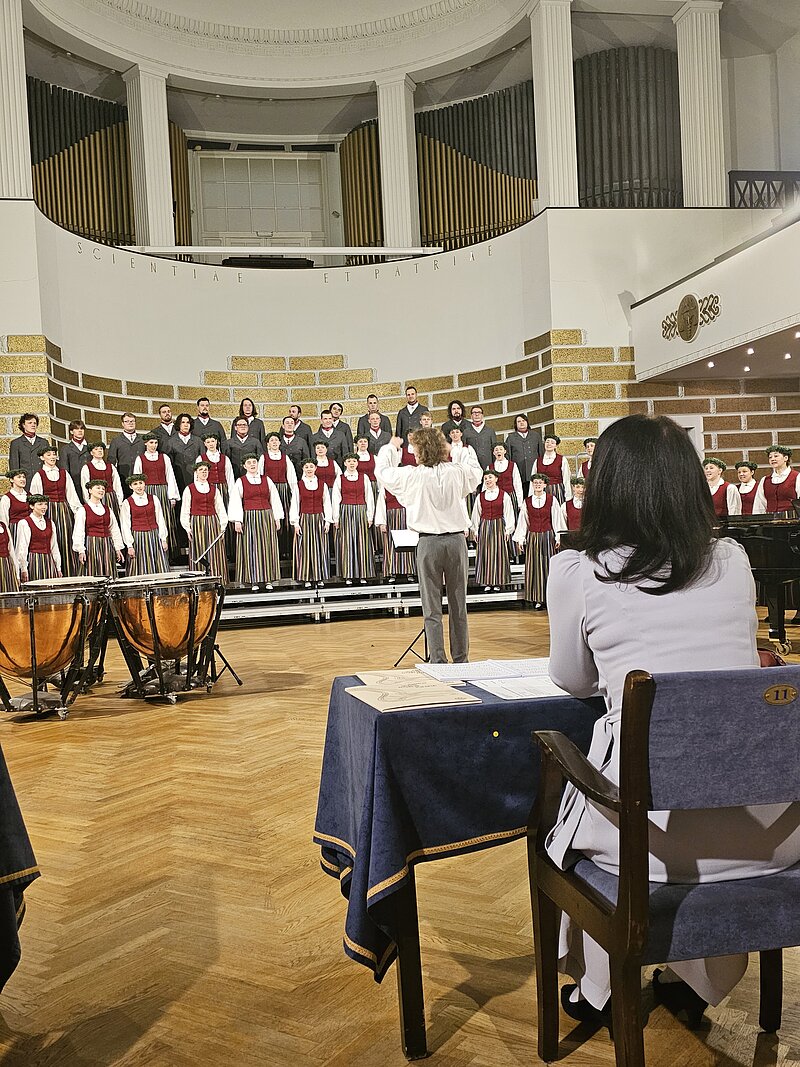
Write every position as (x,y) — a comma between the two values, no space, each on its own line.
(124,448)
(524,446)
(23,455)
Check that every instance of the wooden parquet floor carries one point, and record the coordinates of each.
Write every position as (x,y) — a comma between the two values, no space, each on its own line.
(182,918)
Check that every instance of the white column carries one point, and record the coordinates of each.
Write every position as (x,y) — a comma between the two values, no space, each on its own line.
(398,147)
(15,142)
(700,84)
(151,178)
(554,104)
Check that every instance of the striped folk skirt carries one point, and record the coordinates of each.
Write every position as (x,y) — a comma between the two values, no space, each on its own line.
(558,492)
(492,565)
(257,559)
(285,532)
(9,583)
(311,560)
(397,562)
(354,558)
(60,514)
(101,559)
(205,529)
(170,519)
(539,551)
(149,555)
(41,566)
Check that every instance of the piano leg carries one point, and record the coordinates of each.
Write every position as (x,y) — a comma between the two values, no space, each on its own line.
(782,644)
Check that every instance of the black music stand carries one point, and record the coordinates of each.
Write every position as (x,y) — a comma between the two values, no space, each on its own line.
(423,659)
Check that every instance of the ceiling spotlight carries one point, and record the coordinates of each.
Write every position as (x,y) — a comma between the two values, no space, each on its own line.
(746,369)
(751,351)
(710,363)
(788,355)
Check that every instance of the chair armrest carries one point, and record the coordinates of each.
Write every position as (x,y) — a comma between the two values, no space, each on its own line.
(575,767)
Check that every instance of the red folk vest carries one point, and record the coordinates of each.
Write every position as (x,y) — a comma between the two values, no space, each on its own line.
(202,503)
(353,492)
(255,497)
(574,516)
(57,490)
(585,468)
(327,475)
(719,499)
(779,495)
(748,499)
(143,518)
(407,458)
(106,476)
(492,509)
(392,503)
(155,470)
(367,466)
(539,519)
(216,471)
(554,470)
(505,479)
(17,509)
(97,525)
(311,499)
(275,469)
(5,542)
(40,539)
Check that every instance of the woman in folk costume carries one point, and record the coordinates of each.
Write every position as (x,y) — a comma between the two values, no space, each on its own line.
(556,467)
(510,481)
(491,529)
(391,515)
(38,552)
(144,529)
(53,482)
(353,509)
(9,565)
(538,526)
(748,484)
(457,446)
(724,495)
(204,519)
(280,471)
(774,496)
(220,471)
(571,511)
(648,586)
(161,483)
(311,516)
(366,466)
(96,537)
(14,502)
(328,470)
(97,466)
(256,513)
(586,466)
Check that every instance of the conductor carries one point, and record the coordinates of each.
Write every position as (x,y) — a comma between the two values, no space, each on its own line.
(434,494)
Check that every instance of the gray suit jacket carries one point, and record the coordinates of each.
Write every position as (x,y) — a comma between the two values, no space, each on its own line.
(23,455)
(212,426)
(375,444)
(406,423)
(122,453)
(363,425)
(73,459)
(482,442)
(337,445)
(524,451)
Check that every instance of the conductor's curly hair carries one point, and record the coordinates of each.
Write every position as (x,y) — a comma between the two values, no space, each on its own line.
(430,447)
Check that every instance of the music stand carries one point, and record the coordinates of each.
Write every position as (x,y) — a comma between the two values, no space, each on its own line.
(424,659)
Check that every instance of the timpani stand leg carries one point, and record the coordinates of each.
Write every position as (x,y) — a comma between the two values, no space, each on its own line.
(5,697)
(409,972)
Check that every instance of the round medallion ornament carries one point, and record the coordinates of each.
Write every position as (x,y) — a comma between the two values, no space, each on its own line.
(688,317)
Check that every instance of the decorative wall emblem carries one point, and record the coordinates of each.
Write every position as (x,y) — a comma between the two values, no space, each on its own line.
(692,314)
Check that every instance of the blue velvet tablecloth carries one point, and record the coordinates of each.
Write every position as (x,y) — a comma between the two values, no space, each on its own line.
(403,787)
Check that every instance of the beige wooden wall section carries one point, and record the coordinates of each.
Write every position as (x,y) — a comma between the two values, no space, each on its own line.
(561,382)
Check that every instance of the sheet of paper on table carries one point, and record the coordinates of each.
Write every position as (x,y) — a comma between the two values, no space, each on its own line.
(489,669)
(520,688)
(392,679)
(405,538)
(384,698)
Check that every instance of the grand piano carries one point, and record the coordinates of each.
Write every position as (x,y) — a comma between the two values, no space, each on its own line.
(773,548)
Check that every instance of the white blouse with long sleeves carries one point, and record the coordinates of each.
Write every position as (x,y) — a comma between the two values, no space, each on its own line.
(336,495)
(79,528)
(24,542)
(86,477)
(218,457)
(294,506)
(136,500)
(235,505)
(543,501)
(52,474)
(760,502)
(172,485)
(186,505)
(5,504)
(508,511)
(434,497)
(734,501)
(546,461)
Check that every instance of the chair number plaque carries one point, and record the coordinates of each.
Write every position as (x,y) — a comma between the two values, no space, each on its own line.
(780,694)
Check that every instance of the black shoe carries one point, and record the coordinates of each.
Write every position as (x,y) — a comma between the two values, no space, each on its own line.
(581,1010)
(678,996)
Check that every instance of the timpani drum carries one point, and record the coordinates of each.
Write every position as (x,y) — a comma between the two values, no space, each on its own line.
(44,629)
(162,615)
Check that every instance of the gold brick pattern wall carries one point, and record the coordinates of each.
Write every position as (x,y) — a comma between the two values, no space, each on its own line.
(562,383)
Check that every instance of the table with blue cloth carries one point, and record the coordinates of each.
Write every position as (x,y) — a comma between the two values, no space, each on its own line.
(403,787)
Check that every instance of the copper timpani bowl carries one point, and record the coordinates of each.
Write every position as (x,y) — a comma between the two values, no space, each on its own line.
(172,600)
(59,608)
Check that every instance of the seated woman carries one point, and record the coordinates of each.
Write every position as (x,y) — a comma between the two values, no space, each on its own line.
(646,589)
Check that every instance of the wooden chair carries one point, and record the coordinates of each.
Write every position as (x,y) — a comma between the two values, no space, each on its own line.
(688,741)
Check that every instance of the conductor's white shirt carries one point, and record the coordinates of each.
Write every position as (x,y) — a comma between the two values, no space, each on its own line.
(434,497)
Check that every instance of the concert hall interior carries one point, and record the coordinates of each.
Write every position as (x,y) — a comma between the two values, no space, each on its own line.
(311,315)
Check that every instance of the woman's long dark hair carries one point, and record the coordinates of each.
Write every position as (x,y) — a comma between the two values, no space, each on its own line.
(241,408)
(646,491)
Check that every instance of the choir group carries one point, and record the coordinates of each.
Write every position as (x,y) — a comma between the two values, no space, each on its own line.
(251,498)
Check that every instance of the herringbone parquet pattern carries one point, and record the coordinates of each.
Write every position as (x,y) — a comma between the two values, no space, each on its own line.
(182,918)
